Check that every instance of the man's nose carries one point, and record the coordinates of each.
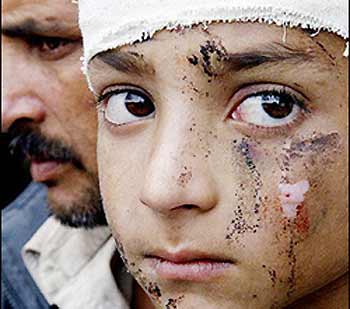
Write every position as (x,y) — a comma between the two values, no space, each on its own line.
(20,90)
(26,107)
(175,179)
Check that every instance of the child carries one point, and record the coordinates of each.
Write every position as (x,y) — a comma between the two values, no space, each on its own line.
(223,147)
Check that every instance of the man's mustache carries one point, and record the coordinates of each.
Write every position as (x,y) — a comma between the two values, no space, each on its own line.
(29,143)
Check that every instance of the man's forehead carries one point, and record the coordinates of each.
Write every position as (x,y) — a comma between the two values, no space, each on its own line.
(60,12)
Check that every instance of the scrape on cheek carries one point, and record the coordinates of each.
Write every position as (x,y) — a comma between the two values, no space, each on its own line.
(291,196)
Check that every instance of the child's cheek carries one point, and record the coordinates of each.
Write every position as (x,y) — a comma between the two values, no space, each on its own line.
(297,189)
(307,175)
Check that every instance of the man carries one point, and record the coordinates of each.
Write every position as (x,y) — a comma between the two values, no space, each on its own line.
(48,111)
(229,190)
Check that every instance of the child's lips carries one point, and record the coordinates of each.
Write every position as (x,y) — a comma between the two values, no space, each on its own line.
(188,266)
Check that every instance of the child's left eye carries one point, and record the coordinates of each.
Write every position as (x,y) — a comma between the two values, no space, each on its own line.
(268,109)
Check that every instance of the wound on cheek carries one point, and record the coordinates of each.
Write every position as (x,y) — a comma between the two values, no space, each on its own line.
(292,197)
(302,219)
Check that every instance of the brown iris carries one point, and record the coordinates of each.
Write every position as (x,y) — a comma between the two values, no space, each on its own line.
(138,106)
(278,107)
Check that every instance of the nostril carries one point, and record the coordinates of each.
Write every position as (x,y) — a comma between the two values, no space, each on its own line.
(25,107)
(186,206)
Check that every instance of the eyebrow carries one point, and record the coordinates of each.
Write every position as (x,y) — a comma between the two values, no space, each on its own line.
(31,27)
(126,62)
(273,53)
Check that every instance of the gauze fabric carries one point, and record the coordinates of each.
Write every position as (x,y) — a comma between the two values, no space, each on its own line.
(107,24)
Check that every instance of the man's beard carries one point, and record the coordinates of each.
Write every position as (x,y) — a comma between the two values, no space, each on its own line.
(86,211)
(29,143)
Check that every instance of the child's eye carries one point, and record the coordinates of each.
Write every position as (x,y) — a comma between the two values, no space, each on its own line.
(127,106)
(271,108)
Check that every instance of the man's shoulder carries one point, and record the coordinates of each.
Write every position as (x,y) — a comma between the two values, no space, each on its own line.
(34,193)
(19,221)
(22,218)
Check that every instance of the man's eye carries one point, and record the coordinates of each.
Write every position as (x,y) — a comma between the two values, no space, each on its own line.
(52,48)
(268,109)
(124,107)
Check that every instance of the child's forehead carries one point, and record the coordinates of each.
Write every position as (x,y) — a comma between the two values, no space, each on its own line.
(236,35)
(222,40)
(222,49)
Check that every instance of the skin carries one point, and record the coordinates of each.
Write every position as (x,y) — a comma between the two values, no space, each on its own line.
(191,176)
(44,91)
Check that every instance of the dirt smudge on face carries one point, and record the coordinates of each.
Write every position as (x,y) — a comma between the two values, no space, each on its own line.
(193,127)
(246,219)
(292,258)
(316,144)
(288,276)
(291,235)
(172,303)
(184,177)
(138,274)
(193,60)
(240,223)
(308,151)
(192,87)
(212,54)
(244,148)
(273,276)
(150,287)
(154,291)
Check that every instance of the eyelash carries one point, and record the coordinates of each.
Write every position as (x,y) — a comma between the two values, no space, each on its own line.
(278,130)
(106,94)
(261,130)
(100,99)
(52,48)
(40,40)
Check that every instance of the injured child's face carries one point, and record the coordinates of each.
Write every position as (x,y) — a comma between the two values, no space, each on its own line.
(223,155)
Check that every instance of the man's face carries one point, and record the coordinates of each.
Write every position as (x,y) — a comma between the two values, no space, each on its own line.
(228,188)
(47,107)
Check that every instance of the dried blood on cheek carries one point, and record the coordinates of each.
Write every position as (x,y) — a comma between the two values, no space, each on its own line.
(293,207)
(173,303)
(308,157)
(302,221)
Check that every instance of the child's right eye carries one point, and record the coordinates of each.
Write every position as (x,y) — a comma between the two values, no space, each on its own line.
(127,106)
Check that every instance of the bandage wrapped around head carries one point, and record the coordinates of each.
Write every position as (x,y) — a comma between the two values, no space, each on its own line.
(107,24)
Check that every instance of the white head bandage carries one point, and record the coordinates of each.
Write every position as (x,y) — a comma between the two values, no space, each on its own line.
(107,24)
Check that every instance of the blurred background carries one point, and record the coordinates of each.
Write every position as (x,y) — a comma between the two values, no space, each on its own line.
(15,175)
